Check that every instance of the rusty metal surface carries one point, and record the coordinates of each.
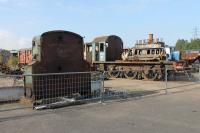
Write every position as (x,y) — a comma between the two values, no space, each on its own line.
(24,56)
(190,55)
(56,52)
(151,40)
(61,51)
(134,62)
(146,51)
(88,52)
(115,46)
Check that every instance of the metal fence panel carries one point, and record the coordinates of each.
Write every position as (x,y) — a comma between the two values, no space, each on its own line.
(172,81)
(53,90)
(183,80)
(62,89)
(134,87)
(49,90)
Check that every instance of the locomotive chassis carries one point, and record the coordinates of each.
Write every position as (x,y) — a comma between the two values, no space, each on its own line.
(133,69)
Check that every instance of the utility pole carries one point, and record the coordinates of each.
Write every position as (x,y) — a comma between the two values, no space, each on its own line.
(195,32)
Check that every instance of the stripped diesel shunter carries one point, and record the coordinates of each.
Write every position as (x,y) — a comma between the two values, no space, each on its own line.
(57,52)
(146,60)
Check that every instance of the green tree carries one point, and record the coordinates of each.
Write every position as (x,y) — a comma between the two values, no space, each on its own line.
(195,44)
(12,61)
(1,59)
(182,44)
(5,55)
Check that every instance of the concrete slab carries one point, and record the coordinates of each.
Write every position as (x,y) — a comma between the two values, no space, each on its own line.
(178,112)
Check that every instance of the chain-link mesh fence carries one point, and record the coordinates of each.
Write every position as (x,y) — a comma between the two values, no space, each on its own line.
(55,90)
(62,89)
(49,90)
(166,81)
(135,83)
(185,79)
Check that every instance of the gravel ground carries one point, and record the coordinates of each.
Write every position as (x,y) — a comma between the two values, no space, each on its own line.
(140,85)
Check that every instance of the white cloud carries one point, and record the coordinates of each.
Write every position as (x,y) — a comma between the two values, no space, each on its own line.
(11,41)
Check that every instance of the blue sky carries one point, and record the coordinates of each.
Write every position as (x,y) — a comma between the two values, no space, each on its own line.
(132,20)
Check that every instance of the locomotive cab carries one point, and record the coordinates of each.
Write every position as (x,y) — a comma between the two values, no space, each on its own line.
(104,48)
(95,51)
(99,52)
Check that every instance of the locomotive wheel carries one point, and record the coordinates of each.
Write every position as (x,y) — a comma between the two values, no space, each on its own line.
(160,75)
(114,73)
(106,75)
(151,75)
(122,74)
(139,75)
(135,75)
(130,74)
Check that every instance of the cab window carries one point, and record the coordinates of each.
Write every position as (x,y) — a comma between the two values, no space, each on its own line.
(101,47)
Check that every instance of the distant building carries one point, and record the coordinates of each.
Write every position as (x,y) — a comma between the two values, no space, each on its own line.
(14,53)
(24,56)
